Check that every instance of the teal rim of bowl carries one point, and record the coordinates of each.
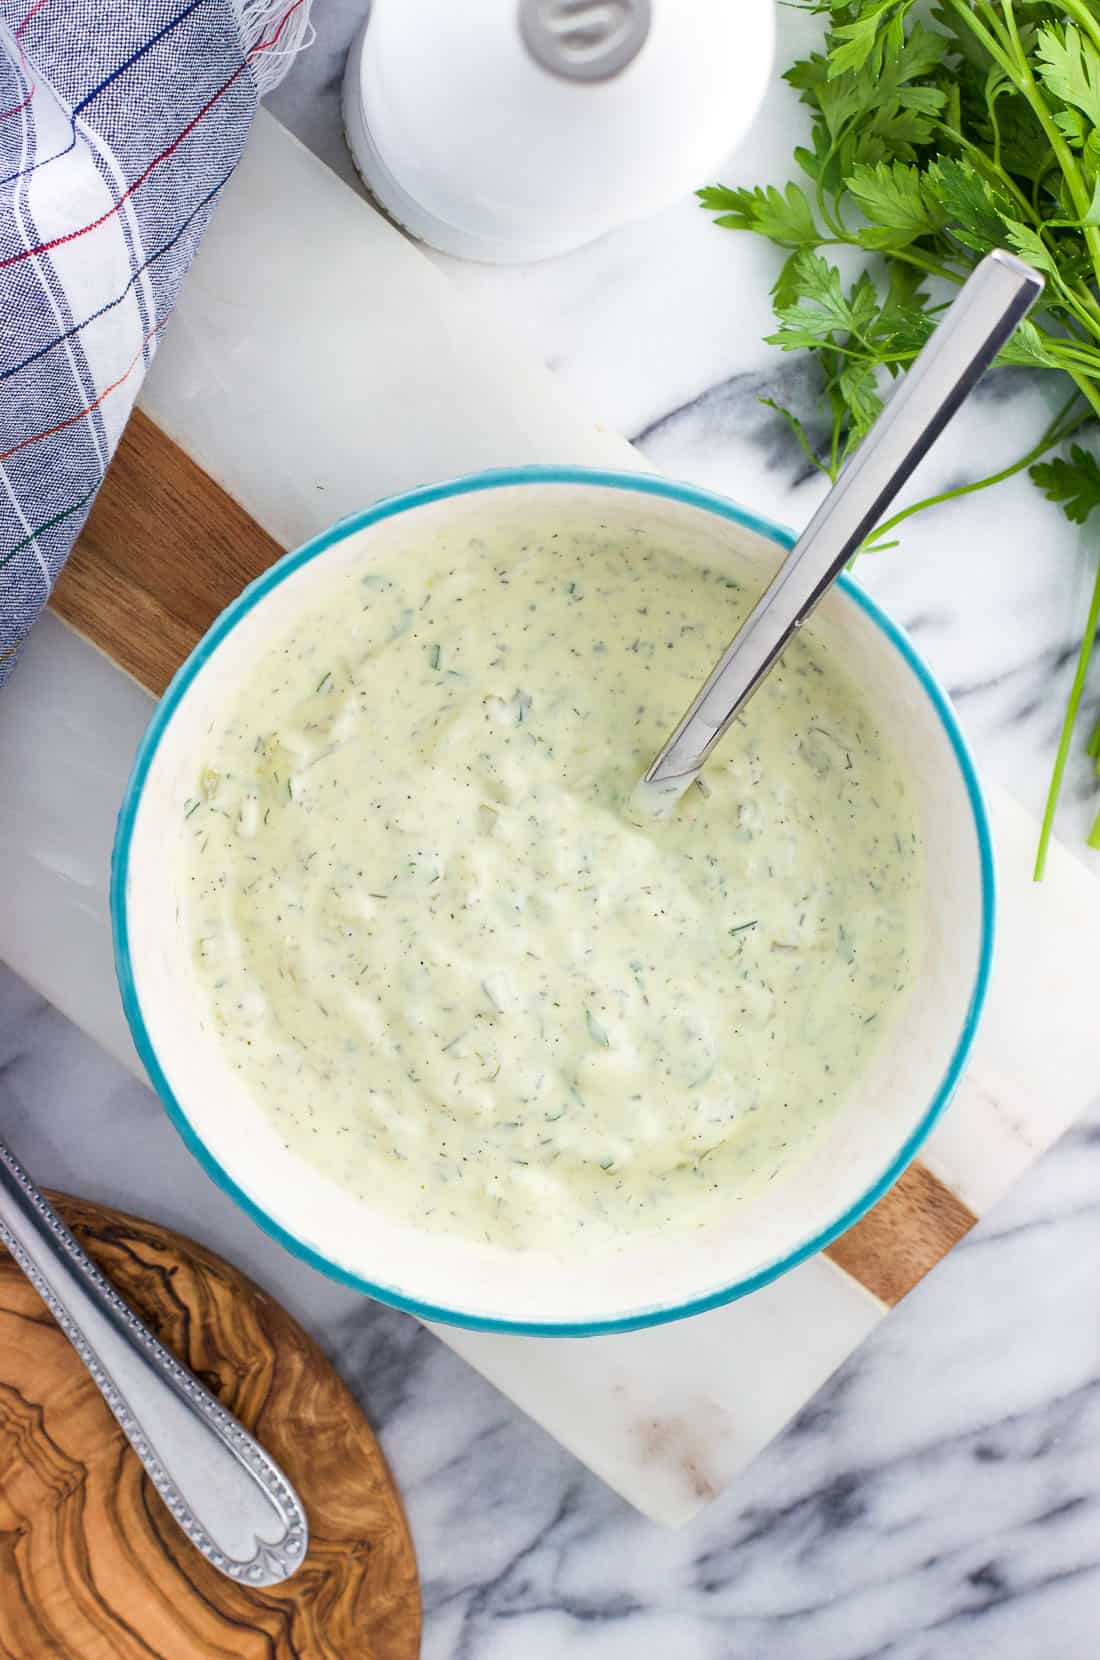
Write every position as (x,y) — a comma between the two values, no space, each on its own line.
(644,484)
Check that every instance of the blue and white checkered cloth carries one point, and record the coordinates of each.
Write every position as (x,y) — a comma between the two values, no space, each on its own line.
(120,122)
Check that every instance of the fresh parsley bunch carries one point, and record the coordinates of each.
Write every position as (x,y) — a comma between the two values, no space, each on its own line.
(937,137)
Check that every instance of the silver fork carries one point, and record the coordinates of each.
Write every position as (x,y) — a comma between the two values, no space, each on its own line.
(231,1500)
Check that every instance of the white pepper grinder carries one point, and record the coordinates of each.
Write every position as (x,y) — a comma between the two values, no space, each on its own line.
(509,130)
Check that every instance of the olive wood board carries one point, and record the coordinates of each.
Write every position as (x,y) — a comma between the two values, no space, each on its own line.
(166,549)
(92,1566)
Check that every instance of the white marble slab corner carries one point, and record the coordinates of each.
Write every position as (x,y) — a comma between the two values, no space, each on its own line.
(669,1416)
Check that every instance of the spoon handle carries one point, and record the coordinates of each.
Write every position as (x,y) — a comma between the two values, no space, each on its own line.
(232,1500)
(995,298)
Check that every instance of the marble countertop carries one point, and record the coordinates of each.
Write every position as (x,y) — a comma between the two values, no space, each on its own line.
(940,1497)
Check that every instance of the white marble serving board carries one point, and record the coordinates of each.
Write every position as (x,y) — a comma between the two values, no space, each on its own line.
(352,370)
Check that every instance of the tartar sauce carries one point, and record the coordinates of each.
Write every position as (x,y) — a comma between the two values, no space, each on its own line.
(454,968)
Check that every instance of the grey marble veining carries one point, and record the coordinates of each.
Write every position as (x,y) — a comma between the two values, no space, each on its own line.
(938,1500)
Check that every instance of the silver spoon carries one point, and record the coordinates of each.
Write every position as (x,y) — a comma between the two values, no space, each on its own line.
(233,1502)
(996,297)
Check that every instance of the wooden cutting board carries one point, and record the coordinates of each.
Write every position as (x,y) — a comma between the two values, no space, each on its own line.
(92,1567)
(166,549)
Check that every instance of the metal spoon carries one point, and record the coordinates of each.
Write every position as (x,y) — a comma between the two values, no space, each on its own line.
(997,296)
(233,1502)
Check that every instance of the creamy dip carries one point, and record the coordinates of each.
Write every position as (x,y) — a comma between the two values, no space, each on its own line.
(444,957)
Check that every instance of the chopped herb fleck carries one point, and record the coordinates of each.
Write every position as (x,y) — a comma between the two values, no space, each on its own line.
(595,1031)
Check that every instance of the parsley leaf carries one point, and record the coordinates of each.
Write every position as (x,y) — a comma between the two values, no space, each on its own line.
(893,197)
(904,323)
(784,217)
(1073,484)
(854,43)
(973,206)
(1069,67)
(822,310)
(859,388)
(1030,246)
(1028,349)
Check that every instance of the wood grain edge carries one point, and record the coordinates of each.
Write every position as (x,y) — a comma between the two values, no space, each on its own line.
(899,1240)
(165,549)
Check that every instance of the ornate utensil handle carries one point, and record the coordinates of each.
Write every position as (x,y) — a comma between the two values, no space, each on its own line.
(232,1500)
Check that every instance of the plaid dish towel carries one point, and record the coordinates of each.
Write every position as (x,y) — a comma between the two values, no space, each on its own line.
(120,122)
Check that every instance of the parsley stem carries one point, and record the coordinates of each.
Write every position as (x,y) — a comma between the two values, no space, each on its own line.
(799,432)
(908,257)
(1081,302)
(1085,387)
(905,255)
(833,223)
(1054,434)
(834,447)
(991,42)
(1088,299)
(1073,705)
(1067,161)
(1079,352)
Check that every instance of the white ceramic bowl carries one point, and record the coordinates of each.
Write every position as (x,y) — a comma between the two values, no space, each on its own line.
(849,1166)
